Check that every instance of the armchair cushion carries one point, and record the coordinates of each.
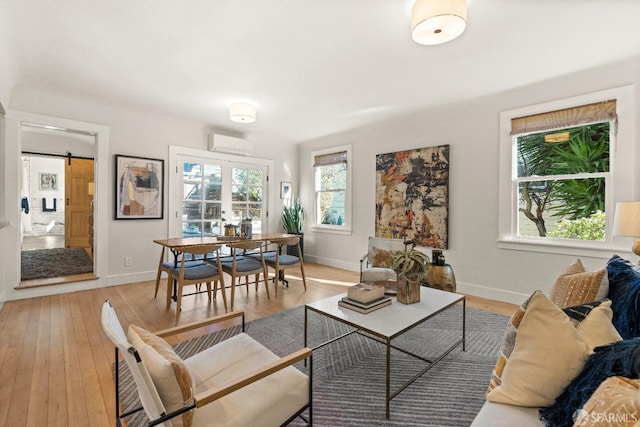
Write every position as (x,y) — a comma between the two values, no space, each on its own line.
(248,406)
(624,292)
(169,373)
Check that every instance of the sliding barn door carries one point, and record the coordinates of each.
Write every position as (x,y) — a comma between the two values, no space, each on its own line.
(78,174)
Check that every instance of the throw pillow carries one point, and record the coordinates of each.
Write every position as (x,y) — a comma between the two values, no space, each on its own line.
(593,320)
(620,358)
(541,353)
(616,402)
(577,286)
(624,292)
(169,373)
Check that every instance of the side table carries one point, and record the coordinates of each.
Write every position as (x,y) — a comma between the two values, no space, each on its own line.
(441,277)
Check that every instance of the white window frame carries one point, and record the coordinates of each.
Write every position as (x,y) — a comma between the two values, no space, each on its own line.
(346,227)
(621,186)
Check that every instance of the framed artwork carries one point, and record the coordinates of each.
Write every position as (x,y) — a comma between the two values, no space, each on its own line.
(412,196)
(139,188)
(285,190)
(48,181)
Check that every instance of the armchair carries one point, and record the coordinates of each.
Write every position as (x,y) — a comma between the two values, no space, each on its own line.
(236,382)
(374,265)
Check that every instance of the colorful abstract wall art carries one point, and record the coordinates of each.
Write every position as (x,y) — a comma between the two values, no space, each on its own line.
(412,195)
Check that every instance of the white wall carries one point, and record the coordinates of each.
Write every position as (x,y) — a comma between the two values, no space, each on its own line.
(472,130)
(138,133)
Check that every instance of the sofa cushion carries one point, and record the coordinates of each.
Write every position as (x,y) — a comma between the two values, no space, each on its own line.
(502,415)
(593,320)
(624,292)
(616,402)
(169,373)
(541,353)
(621,358)
(577,286)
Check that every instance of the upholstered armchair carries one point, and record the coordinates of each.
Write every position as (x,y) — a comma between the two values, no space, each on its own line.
(374,265)
(236,382)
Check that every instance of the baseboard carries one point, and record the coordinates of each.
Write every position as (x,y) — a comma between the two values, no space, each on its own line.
(123,279)
(349,266)
(491,293)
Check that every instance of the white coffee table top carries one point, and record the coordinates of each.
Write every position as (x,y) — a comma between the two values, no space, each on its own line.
(392,320)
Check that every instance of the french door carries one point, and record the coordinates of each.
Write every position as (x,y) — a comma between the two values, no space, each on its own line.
(213,193)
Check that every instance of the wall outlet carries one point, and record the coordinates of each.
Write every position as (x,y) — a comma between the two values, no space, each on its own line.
(128,261)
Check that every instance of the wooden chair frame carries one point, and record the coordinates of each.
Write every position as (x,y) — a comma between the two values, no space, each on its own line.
(262,269)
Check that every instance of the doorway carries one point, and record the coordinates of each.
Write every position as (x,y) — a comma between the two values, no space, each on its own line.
(56,218)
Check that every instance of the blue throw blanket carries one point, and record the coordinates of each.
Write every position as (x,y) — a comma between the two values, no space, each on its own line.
(624,293)
(620,358)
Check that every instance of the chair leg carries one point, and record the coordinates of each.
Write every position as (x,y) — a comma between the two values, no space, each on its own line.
(209,290)
(224,293)
(179,301)
(233,290)
(159,272)
(169,290)
(265,273)
(304,280)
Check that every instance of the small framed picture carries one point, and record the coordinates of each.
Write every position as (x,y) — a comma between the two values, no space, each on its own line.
(285,190)
(48,181)
(139,188)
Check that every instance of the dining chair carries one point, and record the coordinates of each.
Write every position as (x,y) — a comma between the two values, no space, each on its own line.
(282,259)
(206,272)
(241,264)
(167,266)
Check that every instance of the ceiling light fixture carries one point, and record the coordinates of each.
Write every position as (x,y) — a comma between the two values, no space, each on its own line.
(438,21)
(242,113)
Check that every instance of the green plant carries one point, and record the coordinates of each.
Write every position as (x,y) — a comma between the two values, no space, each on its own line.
(292,217)
(410,263)
(588,228)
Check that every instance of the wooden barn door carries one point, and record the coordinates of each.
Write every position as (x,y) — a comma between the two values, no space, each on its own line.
(78,174)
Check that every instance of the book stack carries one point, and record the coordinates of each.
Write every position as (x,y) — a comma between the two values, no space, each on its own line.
(365,298)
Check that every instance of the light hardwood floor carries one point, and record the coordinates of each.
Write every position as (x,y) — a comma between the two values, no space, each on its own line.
(55,360)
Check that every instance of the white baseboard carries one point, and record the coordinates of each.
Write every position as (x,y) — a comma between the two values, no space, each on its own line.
(491,293)
(349,266)
(123,279)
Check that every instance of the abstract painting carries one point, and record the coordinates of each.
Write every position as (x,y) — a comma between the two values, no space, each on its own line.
(139,188)
(412,196)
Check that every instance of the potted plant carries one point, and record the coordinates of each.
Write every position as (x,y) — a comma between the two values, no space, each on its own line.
(292,217)
(411,265)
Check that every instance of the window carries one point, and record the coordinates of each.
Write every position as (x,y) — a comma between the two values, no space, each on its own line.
(563,167)
(332,188)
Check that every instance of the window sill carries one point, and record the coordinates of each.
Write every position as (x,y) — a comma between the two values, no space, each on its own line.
(562,248)
(331,230)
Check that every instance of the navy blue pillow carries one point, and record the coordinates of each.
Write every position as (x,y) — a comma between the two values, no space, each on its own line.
(619,358)
(624,293)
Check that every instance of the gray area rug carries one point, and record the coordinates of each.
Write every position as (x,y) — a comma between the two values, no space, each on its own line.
(349,374)
(43,263)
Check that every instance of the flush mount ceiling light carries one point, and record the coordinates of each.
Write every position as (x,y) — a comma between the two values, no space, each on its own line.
(242,113)
(438,21)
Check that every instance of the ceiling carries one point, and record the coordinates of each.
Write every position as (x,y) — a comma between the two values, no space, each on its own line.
(312,67)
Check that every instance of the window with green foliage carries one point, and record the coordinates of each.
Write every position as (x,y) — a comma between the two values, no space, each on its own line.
(564,164)
(332,188)
(561,181)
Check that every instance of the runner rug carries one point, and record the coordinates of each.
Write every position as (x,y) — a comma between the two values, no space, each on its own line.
(58,262)
(349,374)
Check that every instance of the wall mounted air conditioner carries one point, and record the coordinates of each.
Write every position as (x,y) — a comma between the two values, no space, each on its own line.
(230,145)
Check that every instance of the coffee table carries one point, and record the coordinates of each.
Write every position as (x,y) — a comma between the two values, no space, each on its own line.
(390,322)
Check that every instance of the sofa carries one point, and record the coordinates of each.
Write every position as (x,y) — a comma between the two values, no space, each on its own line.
(571,358)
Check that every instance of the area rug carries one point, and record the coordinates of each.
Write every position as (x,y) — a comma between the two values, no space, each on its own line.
(43,263)
(349,374)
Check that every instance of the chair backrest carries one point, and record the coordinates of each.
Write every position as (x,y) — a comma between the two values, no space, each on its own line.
(248,245)
(379,254)
(146,389)
(199,249)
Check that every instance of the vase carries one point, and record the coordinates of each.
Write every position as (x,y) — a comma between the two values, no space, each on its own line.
(408,289)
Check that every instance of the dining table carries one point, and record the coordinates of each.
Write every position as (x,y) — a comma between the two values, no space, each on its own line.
(176,243)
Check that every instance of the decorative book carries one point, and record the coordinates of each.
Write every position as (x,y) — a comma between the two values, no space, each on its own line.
(365,293)
(346,302)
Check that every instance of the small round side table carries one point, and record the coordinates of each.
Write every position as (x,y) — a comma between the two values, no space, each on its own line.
(441,277)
